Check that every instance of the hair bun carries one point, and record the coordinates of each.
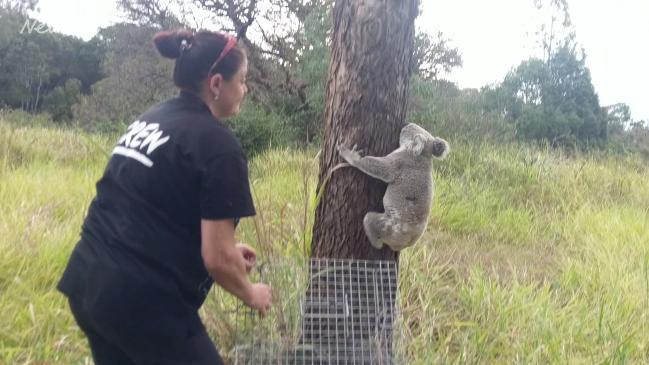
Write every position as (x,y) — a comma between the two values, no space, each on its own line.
(171,44)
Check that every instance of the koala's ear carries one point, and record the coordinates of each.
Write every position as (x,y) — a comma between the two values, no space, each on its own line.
(440,148)
(417,144)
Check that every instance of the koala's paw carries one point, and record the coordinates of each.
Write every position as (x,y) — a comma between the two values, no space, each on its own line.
(351,156)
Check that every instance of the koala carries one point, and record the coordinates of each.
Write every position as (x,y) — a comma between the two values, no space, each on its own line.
(407,200)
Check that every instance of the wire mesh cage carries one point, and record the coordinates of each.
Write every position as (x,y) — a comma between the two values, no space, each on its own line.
(328,311)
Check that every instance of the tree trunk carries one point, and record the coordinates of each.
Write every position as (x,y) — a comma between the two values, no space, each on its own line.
(38,93)
(366,99)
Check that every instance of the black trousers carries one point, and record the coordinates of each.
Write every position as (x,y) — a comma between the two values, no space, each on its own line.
(111,345)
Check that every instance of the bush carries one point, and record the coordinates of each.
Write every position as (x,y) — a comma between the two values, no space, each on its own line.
(444,110)
(258,129)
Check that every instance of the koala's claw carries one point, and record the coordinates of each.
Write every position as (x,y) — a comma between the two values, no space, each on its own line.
(351,156)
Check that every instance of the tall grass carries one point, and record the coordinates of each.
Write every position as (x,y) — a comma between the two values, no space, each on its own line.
(531,256)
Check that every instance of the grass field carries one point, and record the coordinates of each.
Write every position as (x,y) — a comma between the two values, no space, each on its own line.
(531,256)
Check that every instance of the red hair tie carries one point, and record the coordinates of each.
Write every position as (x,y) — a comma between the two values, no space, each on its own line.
(230,43)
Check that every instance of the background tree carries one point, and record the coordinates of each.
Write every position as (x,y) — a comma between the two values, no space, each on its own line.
(119,74)
(638,137)
(625,133)
(24,72)
(558,31)
(286,43)
(60,101)
(366,97)
(21,6)
(137,78)
(153,13)
(434,56)
(35,61)
(618,118)
(553,98)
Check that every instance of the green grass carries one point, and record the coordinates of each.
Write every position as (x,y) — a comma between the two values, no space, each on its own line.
(531,256)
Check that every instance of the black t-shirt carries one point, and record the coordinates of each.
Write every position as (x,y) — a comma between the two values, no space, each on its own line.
(141,238)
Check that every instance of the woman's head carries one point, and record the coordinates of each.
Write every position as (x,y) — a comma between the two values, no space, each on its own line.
(208,64)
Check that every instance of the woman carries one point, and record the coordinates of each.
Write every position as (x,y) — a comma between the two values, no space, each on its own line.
(162,224)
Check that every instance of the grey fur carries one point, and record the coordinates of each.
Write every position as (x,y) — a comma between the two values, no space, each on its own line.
(407,200)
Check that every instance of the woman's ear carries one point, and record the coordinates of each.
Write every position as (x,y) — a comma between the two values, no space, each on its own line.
(215,84)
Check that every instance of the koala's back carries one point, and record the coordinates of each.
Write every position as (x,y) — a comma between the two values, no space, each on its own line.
(410,194)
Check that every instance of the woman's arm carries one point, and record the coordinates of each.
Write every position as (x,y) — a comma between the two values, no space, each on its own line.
(225,263)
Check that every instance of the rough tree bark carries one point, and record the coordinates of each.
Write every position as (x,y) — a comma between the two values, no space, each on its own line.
(366,98)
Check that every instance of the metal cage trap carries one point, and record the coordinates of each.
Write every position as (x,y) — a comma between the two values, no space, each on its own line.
(330,311)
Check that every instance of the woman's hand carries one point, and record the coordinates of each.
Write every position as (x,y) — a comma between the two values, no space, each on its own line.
(249,255)
(261,298)
(261,295)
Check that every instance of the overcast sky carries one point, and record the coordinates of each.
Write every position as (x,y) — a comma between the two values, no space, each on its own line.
(493,36)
